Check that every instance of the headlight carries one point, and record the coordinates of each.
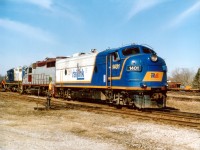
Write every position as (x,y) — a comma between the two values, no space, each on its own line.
(154,57)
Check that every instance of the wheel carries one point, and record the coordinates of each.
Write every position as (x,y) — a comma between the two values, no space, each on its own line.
(160,104)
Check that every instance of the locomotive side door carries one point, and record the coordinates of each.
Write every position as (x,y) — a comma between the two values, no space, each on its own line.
(108,71)
(113,65)
(30,74)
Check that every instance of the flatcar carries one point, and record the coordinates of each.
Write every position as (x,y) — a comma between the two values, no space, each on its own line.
(131,75)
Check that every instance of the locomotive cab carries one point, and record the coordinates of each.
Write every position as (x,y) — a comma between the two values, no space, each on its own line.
(145,67)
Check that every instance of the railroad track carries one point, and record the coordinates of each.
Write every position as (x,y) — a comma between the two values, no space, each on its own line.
(184,90)
(168,115)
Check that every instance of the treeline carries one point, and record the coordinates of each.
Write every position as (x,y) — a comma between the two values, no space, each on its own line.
(186,77)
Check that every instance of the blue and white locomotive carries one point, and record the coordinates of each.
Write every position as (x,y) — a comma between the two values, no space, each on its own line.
(131,75)
(13,78)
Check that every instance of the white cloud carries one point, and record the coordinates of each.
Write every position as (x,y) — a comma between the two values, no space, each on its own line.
(47,4)
(27,30)
(58,9)
(186,14)
(141,5)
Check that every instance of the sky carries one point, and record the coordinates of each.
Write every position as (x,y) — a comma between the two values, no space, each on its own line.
(31,30)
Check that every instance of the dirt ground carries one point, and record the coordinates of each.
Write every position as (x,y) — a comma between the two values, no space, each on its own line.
(23,128)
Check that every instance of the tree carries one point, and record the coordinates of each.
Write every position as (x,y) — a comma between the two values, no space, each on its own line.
(183,75)
(196,81)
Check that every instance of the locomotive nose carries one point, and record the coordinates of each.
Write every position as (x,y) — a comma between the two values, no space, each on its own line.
(146,63)
(146,71)
(154,63)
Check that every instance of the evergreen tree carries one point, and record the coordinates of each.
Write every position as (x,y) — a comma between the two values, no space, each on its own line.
(196,81)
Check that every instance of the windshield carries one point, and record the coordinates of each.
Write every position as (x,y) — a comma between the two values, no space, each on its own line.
(148,50)
(131,51)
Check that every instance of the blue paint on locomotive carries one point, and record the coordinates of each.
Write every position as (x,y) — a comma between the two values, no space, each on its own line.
(24,71)
(127,67)
(128,70)
(10,76)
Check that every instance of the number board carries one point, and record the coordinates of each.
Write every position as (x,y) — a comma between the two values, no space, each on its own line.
(134,68)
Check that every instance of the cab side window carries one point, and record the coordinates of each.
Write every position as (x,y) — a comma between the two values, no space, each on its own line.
(115,56)
(30,70)
(148,50)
